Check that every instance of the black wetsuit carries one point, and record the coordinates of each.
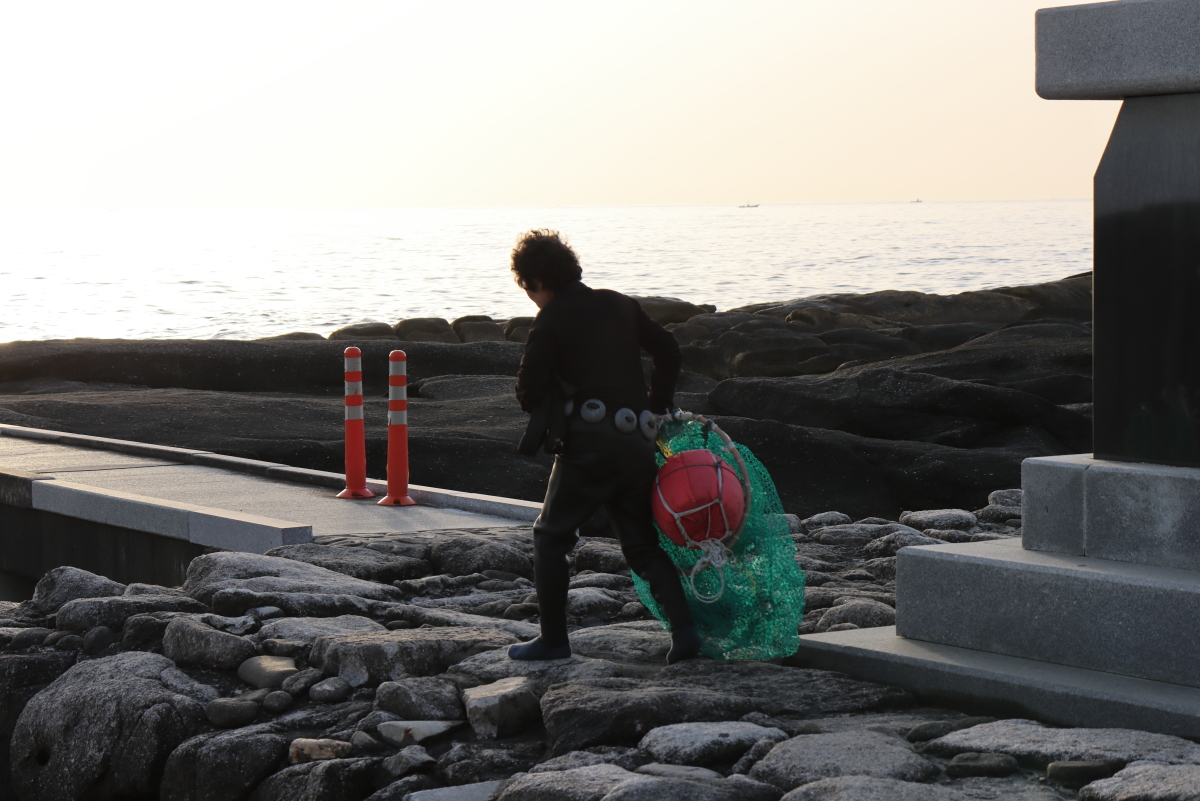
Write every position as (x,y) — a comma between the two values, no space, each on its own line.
(592,340)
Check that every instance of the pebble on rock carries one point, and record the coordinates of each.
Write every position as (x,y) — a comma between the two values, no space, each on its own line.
(298,684)
(71,642)
(277,701)
(924,732)
(330,691)
(267,671)
(97,639)
(305,750)
(231,713)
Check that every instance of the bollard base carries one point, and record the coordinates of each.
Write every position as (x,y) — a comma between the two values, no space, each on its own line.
(356,493)
(392,500)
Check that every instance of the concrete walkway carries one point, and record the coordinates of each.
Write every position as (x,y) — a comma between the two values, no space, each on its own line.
(213,500)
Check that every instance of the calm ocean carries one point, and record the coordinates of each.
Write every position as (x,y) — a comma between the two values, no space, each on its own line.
(246,274)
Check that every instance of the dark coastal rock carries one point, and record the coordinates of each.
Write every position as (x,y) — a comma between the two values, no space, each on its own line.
(812,757)
(468,763)
(414,616)
(706,743)
(862,614)
(639,641)
(670,310)
(466,554)
(492,666)
(224,766)
(188,642)
(1146,782)
(66,583)
(1037,744)
(308,629)
(662,788)
(360,563)
(480,331)
(104,729)
(599,555)
(425,329)
(234,601)
(890,404)
(372,658)
(588,783)
(22,676)
(420,698)
(84,614)
(579,714)
(364,331)
(327,780)
(930,338)
(211,573)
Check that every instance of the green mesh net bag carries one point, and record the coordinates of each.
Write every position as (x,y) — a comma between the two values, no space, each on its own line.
(748,601)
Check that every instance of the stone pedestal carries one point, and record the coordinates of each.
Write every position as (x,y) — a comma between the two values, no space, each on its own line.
(1089,619)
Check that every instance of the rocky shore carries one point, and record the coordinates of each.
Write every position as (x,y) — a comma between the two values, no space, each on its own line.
(872,403)
(373,668)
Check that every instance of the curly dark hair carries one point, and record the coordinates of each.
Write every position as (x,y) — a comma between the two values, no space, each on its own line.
(542,258)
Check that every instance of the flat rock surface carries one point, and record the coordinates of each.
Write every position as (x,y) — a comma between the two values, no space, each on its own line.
(578,784)
(495,665)
(641,641)
(811,757)
(374,657)
(308,629)
(705,743)
(1147,782)
(1036,744)
(361,563)
(214,572)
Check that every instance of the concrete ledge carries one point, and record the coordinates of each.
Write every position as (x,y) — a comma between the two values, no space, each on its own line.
(510,508)
(1052,503)
(1005,685)
(215,528)
(16,487)
(1087,613)
(1114,50)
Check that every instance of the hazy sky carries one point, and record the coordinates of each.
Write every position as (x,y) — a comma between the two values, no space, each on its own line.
(518,102)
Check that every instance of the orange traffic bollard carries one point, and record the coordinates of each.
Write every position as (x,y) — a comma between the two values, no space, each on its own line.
(356,433)
(397,459)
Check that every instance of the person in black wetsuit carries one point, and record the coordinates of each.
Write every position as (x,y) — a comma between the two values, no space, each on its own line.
(590,341)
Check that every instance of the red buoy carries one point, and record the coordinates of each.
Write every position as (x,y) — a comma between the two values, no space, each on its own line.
(697,496)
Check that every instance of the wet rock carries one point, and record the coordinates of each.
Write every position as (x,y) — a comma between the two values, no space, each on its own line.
(211,573)
(705,743)
(308,629)
(1146,782)
(621,711)
(330,691)
(222,766)
(1036,744)
(66,583)
(267,671)
(231,713)
(465,763)
(468,554)
(863,614)
(995,765)
(639,641)
(360,563)
(420,698)
(84,614)
(502,708)
(492,666)
(372,658)
(579,784)
(104,728)
(811,757)
(304,750)
(188,642)
(958,519)
(401,733)
(327,780)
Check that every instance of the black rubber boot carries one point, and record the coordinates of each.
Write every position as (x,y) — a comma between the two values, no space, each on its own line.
(537,650)
(685,644)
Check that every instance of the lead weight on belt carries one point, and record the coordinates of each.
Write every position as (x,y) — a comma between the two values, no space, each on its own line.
(648,423)
(569,407)
(592,411)
(625,420)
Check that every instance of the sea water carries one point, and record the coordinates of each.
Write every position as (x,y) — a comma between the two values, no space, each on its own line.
(247,274)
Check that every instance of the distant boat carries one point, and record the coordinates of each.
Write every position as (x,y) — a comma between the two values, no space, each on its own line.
(918,200)
(748,206)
